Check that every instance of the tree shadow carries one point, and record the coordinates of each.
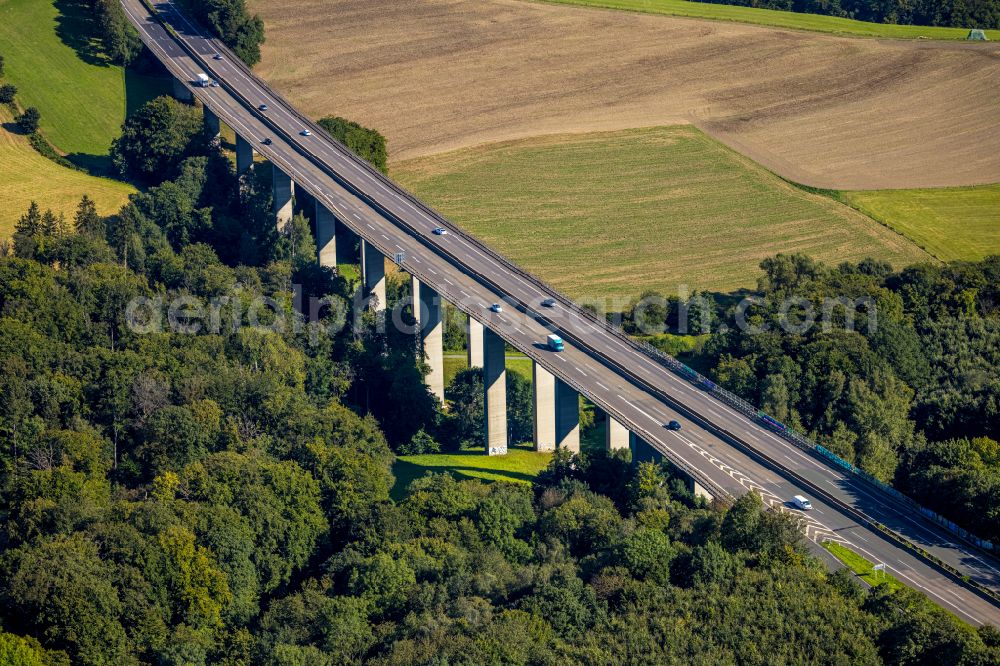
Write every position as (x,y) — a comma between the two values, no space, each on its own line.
(95,165)
(77,27)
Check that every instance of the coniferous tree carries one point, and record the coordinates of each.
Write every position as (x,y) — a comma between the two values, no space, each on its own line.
(87,221)
(26,232)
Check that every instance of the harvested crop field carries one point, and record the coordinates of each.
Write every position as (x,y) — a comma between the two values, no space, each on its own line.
(827,111)
(610,214)
(26,176)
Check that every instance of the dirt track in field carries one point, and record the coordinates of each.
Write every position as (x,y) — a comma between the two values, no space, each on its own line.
(833,112)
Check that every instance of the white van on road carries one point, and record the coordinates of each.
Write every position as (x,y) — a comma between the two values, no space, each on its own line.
(801,502)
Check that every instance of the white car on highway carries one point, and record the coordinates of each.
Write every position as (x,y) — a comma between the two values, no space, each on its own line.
(802,503)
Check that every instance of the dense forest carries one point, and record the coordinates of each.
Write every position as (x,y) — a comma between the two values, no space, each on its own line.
(217,490)
(955,13)
(913,396)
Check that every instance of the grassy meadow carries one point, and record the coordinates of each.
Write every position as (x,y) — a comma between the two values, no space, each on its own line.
(454,362)
(950,223)
(55,68)
(609,214)
(774,18)
(25,176)
(521,465)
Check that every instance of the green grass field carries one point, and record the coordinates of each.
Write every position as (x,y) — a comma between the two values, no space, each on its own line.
(778,19)
(520,465)
(610,214)
(25,175)
(457,361)
(80,96)
(950,223)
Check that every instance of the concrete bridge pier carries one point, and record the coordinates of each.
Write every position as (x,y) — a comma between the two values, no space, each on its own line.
(326,235)
(616,436)
(495,393)
(181,92)
(282,189)
(699,490)
(567,416)
(543,386)
(212,125)
(244,155)
(373,275)
(427,312)
(475,343)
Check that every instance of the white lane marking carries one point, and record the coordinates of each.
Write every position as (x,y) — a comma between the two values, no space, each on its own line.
(644,413)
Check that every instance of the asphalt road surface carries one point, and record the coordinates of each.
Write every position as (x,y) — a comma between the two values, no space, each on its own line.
(726,451)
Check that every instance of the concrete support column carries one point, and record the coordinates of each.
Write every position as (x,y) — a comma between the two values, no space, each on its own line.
(415,297)
(212,124)
(326,236)
(567,416)
(475,343)
(244,155)
(543,384)
(181,92)
(616,436)
(282,189)
(427,308)
(495,393)
(373,274)
(700,491)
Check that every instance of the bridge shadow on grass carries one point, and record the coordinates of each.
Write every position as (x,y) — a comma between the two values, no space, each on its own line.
(145,84)
(406,471)
(140,87)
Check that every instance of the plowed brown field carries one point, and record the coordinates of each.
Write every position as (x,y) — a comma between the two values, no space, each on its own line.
(834,112)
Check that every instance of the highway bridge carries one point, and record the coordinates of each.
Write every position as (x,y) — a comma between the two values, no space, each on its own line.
(723,450)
